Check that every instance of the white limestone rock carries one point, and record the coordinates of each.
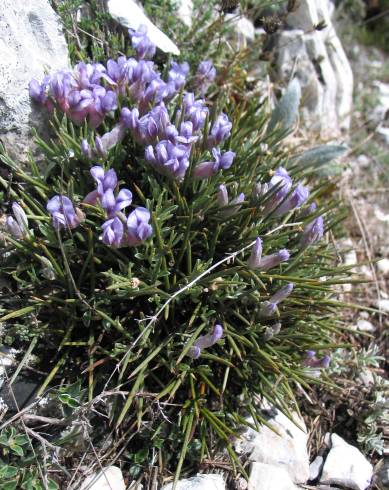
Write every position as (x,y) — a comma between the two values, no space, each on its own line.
(129,14)
(268,477)
(207,481)
(286,449)
(346,466)
(31,41)
(318,60)
(110,478)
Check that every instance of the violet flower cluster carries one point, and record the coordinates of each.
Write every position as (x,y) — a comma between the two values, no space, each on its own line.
(91,91)
(205,341)
(118,230)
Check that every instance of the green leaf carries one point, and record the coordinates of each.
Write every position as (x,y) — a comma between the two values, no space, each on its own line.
(52,485)
(286,111)
(9,485)
(17,450)
(17,313)
(21,440)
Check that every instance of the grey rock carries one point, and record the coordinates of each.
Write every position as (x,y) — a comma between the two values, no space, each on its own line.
(346,466)
(207,481)
(31,41)
(286,448)
(315,468)
(268,477)
(129,14)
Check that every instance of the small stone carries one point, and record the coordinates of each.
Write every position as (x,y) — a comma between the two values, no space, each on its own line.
(366,377)
(129,14)
(365,326)
(209,481)
(346,466)
(383,266)
(286,448)
(384,133)
(268,477)
(383,474)
(135,486)
(383,305)
(363,161)
(110,478)
(315,468)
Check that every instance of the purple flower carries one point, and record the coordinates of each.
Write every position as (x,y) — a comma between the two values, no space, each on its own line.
(186,136)
(17,225)
(310,360)
(206,74)
(110,139)
(269,261)
(106,184)
(169,159)
(104,180)
(256,254)
(144,48)
(267,308)
(177,75)
(280,184)
(223,201)
(195,111)
(117,74)
(113,232)
(205,341)
(85,148)
(259,190)
(39,92)
(312,232)
(282,293)
(156,91)
(138,227)
(293,201)
(207,169)
(221,130)
(63,213)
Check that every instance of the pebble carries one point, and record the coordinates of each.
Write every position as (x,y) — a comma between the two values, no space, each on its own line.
(109,479)
(383,305)
(365,326)
(383,266)
(268,477)
(209,481)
